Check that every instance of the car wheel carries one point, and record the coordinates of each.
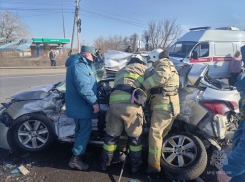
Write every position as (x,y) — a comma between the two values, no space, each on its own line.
(184,156)
(34,133)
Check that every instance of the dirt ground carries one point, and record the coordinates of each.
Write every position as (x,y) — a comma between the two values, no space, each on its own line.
(30,61)
(38,65)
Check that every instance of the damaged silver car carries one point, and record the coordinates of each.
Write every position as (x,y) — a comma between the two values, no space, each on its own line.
(32,120)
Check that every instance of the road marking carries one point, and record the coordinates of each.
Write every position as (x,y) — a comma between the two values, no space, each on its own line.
(33,76)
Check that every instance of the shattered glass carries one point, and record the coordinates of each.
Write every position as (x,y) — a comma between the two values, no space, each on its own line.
(99,70)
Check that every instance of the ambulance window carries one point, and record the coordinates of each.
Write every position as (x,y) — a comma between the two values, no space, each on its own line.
(202,50)
(176,48)
(181,49)
(223,49)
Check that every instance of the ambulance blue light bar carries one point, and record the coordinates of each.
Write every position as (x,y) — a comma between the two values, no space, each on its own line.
(200,28)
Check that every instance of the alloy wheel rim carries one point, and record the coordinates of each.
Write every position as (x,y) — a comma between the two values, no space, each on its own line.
(33,134)
(179,151)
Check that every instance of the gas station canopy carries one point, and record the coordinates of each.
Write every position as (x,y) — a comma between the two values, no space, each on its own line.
(39,41)
(51,41)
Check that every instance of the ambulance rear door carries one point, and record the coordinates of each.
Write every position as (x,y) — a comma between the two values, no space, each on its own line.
(222,56)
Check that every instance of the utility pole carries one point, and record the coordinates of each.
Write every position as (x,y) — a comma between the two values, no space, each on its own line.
(78,27)
(63,28)
(146,42)
(77,22)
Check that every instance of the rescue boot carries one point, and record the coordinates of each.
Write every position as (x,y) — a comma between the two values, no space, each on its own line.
(152,170)
(104,167)
(135,169)
(107,153)
(119,156)
(76,163)
(135,153)
(106,157)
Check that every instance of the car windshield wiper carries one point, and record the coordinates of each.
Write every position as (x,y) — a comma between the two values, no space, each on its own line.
(54,86)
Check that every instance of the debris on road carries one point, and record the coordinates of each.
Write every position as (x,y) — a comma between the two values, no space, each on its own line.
(15,171)
(8,164)
(23,170)
(8,179)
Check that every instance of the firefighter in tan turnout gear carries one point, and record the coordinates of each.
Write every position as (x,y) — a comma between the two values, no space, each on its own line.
(125,111)
(162,82)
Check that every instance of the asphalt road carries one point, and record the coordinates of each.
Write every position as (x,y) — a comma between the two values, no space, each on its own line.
(12,84)
(51,165)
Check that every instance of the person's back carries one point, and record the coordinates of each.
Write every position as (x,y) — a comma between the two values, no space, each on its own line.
(52,55)
(130,75)
(128,49)
(162,81)
(125,114)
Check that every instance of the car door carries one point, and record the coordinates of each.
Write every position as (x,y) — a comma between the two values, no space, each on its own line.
(203,54)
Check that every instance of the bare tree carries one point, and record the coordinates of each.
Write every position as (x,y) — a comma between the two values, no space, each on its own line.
(162,33)
(116,42)
(100,43)
(13,26)
(46,48)
(133,42)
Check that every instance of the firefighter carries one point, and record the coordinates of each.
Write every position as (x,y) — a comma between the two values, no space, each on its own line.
(125,112)
(162,82)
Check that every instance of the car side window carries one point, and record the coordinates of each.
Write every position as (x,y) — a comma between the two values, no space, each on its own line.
(202,50)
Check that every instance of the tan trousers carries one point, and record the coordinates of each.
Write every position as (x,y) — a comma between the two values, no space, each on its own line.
(161,123)
(124,115)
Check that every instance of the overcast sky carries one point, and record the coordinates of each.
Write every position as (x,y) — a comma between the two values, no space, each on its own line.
(117,17)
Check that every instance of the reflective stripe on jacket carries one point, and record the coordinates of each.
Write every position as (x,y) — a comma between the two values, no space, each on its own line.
(130,75)
(163,75)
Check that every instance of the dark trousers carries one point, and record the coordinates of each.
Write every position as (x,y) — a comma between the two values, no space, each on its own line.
(82,134)
(110,145)
(233,78)
(53,62)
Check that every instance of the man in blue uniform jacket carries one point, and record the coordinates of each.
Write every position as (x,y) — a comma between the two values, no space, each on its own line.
(81,101)
(235,169)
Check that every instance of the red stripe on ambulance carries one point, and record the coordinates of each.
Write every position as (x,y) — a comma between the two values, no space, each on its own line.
(216,59)
(200,60)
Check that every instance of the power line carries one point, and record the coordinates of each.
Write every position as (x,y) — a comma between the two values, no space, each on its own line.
(118,20)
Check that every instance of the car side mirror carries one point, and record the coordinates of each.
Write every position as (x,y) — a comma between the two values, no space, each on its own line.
(194,55)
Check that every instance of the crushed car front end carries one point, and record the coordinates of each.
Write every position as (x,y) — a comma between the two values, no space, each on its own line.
(4,127)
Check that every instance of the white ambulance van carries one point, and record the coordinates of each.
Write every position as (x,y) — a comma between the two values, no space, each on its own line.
(206,46)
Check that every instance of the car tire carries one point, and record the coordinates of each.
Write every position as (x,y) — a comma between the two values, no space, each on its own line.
(33,132)
(194,163)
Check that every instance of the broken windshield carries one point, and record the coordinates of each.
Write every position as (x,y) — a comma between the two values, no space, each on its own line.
(99,73)
(99,70)
(181,49)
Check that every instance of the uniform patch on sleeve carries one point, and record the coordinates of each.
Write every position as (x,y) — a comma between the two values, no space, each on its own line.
(91,72)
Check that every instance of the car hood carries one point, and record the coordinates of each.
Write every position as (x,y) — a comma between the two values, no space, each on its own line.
(33,94)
